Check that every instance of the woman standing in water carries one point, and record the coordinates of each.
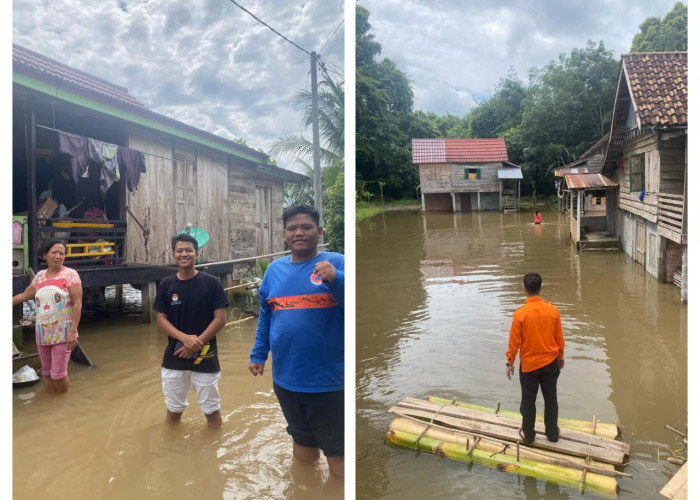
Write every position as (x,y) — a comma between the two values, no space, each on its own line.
(58,294)
(538,217)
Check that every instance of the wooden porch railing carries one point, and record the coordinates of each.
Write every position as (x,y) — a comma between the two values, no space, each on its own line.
(672,216)
(89,242)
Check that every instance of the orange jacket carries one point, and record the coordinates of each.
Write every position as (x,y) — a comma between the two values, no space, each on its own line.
(536,333)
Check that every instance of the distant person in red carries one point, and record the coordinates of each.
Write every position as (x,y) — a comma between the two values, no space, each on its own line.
(538,217)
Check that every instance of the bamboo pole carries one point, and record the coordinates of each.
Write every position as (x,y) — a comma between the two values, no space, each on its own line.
(610,431)
(495,445)
(602,485)
(238,321)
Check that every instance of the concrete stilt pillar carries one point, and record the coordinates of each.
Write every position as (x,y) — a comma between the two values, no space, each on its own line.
(148,295)
(118,293)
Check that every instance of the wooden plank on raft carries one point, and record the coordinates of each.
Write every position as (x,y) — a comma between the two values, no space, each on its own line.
(610,431)
(677,487)
(510,433)
(514,423)
(492,445)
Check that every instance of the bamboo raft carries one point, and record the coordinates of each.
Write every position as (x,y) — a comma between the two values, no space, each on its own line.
(585,457)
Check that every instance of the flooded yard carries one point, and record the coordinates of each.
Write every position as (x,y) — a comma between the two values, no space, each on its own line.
(107,439)
(435,297)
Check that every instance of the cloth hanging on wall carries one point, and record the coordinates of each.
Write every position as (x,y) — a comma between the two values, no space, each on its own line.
(132,164)
(112,160)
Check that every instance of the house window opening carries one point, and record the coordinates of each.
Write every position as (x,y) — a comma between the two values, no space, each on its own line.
(472,174)
(636,170)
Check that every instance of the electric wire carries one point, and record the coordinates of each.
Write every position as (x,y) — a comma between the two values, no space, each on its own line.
(268,26)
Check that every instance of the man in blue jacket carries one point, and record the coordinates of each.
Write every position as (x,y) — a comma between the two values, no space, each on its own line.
(301,322)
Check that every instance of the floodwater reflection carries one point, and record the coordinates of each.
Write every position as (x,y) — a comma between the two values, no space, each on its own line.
(435,296)
(107,439)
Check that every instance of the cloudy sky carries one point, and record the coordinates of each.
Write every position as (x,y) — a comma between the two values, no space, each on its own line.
(204,62)
(456,51)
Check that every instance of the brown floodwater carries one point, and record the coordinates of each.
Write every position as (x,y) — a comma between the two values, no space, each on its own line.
(106,438)
(435,297)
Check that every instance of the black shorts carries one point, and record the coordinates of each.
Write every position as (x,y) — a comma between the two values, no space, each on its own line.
(315,419)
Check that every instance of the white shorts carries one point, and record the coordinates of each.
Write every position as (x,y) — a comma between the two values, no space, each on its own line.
(177,383)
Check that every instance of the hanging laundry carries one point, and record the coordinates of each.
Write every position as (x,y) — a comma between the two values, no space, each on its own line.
(132,164)
(104,155)
(76,146)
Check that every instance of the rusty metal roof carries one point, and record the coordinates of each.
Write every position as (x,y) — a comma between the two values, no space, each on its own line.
(459,150)
(588,181)
(658,82)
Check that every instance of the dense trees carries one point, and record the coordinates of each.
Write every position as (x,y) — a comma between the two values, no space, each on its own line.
(384,102)
(663,36)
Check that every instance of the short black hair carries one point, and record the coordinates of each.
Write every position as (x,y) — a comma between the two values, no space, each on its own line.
(184,237)
(532,282)
(48,244)
(300,209)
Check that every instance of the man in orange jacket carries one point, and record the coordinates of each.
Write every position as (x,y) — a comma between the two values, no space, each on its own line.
(536,333)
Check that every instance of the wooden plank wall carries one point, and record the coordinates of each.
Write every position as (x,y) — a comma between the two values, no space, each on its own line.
(435,178)
(487,184)
(629,201)
(212,204)
(153,202)
(672,172)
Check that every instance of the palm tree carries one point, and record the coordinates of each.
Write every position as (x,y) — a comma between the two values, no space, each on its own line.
(331,114)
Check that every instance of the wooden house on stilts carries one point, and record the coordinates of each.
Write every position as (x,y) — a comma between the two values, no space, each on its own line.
(93,165)
(465,175)
(648,154)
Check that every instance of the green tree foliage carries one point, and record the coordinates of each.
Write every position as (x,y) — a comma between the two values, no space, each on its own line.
(384,101)
(334,203)
(566,109)
(501,112)
(668,35)
(331,118)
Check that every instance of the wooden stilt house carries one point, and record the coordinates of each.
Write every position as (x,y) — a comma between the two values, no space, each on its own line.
(464,175)
(93,165)
(647,153)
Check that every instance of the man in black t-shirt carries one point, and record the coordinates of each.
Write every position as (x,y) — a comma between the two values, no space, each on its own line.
(191,309)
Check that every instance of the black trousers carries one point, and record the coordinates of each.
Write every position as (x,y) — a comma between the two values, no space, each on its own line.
(530,382)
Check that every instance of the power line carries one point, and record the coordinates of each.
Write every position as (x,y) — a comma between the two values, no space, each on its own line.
(268,26)
(331,37)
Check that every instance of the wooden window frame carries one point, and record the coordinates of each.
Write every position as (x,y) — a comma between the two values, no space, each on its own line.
(468,171)
(636,166)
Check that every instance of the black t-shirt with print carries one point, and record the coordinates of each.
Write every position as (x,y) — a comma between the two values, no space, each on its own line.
(190,305)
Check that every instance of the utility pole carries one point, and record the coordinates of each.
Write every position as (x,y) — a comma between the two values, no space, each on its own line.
(317,152)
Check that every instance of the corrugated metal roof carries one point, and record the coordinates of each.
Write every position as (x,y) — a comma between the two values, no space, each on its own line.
(588,181)
(510,173)
(428,150)
(459,150)
(45,69)
(34,61)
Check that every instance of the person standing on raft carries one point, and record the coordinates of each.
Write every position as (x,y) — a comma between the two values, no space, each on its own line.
(538,217)
(536,332)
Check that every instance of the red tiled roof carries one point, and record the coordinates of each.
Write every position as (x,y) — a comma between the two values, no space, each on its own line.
(36,62)
(459,150)
(588,181)
(658,82)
